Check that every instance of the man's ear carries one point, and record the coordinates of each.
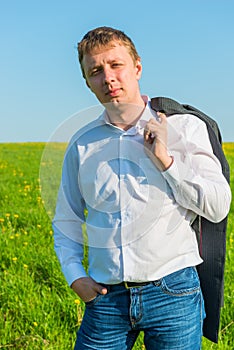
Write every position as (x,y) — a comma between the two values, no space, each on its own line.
(138,68)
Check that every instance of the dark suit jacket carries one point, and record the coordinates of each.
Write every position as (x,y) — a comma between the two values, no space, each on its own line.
(211,236)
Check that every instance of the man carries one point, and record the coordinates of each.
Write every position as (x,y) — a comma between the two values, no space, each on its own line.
(142,178)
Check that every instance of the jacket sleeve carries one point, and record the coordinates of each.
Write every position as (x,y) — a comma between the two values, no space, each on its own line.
(195,176)
(69,219)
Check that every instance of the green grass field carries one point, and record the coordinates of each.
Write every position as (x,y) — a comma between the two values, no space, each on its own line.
(37,308)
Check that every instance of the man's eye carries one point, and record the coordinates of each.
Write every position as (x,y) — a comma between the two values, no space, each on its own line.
(114,65)
(95,71)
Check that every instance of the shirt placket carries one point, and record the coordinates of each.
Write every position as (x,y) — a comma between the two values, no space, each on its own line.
(125,209)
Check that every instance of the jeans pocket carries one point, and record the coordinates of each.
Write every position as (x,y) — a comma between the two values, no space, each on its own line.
(182,282)
(94,300)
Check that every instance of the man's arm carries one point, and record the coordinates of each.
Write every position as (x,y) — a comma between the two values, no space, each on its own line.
(68,236)
(70,255)
(194,174)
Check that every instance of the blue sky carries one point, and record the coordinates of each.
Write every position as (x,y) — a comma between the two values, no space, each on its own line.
(186,46)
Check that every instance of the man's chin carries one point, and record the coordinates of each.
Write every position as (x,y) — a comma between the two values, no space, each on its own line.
(116,104)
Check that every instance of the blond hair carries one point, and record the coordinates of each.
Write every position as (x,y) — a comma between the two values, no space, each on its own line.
(103,36)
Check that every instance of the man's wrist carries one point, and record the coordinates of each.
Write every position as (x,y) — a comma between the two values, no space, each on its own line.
(167,163)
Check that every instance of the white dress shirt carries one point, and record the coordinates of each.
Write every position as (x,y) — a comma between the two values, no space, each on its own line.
(138,222)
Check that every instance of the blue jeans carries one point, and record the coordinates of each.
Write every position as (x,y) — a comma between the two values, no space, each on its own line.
(169,311)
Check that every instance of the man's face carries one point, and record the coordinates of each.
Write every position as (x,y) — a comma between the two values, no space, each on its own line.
(112,75)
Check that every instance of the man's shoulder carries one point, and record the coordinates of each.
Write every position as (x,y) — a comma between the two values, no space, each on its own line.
(185,120)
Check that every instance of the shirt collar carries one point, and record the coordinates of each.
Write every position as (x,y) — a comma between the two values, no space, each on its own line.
(147,114)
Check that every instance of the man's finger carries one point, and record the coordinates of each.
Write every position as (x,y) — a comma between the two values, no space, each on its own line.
(147,133)
(100,289)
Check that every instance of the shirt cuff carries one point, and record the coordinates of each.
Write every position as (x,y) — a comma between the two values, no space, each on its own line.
(175,173)
(73,271)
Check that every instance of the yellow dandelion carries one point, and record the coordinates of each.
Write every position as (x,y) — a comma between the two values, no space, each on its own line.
(38,225)
(17,235)
(25,232)
(35,324)
(77,301)
(7,215)
(25,266)
(51,232)
(27,188)
(2,220)
(25,244)
(16,216)
(12,237)
(14,259)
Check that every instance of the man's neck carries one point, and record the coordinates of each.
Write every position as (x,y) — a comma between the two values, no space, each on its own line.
(125,116)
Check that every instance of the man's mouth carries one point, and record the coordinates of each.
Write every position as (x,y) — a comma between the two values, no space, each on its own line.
(113,92)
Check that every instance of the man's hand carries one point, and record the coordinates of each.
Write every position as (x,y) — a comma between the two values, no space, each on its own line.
(87,289)
(155,142)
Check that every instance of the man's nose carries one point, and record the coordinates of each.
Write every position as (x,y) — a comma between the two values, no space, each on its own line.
(108,75)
